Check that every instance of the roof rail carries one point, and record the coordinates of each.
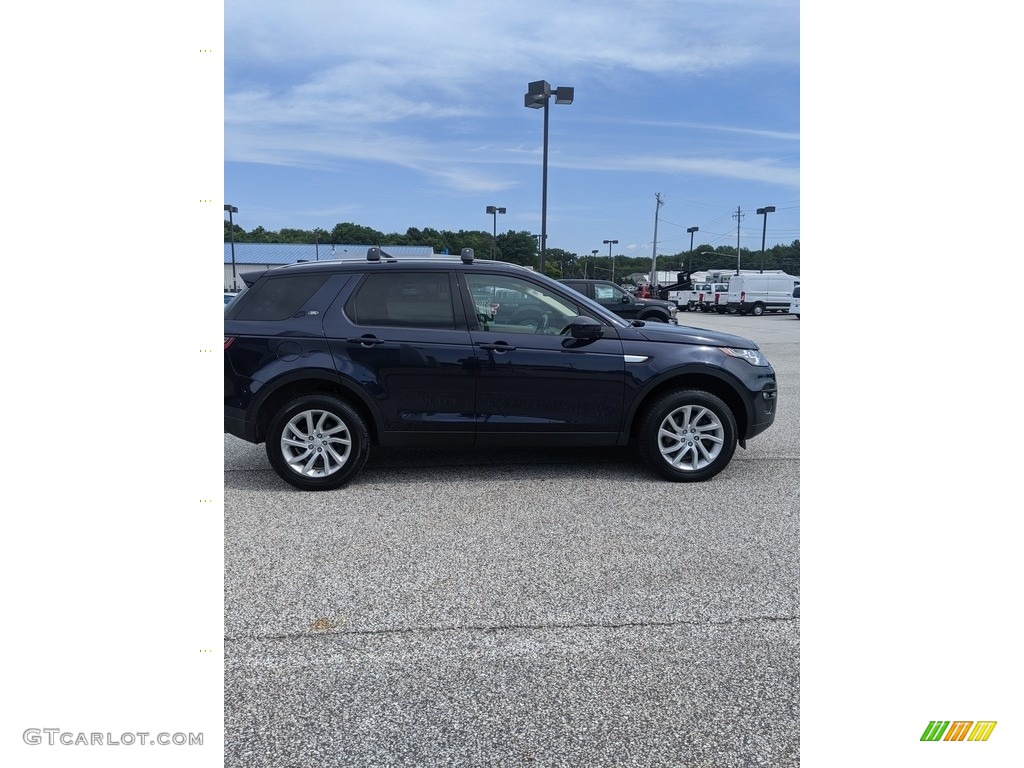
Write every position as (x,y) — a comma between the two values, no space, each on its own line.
(373,253)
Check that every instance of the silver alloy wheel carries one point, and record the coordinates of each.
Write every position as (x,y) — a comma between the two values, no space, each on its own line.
(316,443)
(691,437)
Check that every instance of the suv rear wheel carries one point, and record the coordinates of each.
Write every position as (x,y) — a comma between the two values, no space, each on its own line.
(688,435)
(317,442)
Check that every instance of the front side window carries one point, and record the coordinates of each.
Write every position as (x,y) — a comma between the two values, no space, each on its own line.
(512,305)
(403,299)
(608,293)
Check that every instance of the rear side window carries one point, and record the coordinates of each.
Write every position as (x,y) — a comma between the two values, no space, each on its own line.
(404,300)
(278,298)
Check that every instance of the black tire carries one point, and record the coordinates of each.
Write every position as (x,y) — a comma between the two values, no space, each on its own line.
(757,310)
(317,442)
(654,317)
(688,436)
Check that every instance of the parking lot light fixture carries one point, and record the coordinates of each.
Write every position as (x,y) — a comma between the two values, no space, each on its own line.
(494,211)
(593,264)
(231,210)
(691,230)
(538,95)
(764,211)
(611,258)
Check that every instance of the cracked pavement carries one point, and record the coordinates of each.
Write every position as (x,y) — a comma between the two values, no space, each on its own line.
(563,607)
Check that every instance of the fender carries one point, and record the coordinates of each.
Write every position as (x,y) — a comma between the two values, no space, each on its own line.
(703,370)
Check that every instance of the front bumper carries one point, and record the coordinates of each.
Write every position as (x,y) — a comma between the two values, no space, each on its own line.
(763,410)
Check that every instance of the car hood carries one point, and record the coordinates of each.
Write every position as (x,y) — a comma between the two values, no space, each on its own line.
(684,334)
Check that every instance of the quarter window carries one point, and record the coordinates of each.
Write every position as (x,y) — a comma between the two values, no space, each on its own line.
(278,298)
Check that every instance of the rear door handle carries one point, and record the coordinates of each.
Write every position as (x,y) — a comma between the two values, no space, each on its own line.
(369,341)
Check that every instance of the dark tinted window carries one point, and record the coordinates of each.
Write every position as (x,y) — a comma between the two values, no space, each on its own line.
(796,291)
(278,298)
(403,299)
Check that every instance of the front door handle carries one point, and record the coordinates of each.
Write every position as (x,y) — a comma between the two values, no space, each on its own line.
(498,347)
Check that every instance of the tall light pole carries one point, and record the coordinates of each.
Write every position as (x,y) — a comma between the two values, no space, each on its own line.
(231,228)
(494,211)
(766,210)
(593,263)
(538,94)
(691,230)
(611,258)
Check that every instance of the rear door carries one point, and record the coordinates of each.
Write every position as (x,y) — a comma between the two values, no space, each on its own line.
(403,337)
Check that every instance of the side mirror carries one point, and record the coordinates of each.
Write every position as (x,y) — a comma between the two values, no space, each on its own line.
(625,299)
(585,328)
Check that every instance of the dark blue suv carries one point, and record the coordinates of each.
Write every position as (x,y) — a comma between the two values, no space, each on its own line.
(322,360)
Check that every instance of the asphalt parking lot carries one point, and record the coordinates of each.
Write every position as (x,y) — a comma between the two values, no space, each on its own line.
(558,608)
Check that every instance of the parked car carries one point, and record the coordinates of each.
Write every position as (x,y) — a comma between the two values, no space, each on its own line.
(323,360)
(794,303)
(624,304)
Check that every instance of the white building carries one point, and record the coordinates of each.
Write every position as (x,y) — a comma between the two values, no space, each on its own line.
(257,257)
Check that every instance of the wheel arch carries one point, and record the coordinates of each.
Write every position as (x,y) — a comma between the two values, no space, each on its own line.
(279,392)
(703,379)
(655,313)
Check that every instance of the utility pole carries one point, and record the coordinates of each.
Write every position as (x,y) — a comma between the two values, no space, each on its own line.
(738,215)
(654,254)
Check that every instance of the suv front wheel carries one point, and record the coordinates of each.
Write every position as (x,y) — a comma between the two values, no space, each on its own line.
(317,442)
(688,435)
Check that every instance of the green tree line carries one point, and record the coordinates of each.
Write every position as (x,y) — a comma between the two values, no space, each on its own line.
(521,248)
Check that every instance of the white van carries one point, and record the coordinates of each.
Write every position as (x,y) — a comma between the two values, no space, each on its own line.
(794,304)
(760,293)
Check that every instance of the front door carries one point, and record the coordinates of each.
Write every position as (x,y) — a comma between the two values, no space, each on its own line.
(534,380)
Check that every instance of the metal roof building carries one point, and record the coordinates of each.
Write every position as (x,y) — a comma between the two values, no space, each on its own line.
(256,257)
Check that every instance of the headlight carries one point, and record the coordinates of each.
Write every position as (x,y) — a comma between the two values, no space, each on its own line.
(752,356)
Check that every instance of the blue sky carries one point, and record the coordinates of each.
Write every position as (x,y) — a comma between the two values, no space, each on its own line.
(401,114)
